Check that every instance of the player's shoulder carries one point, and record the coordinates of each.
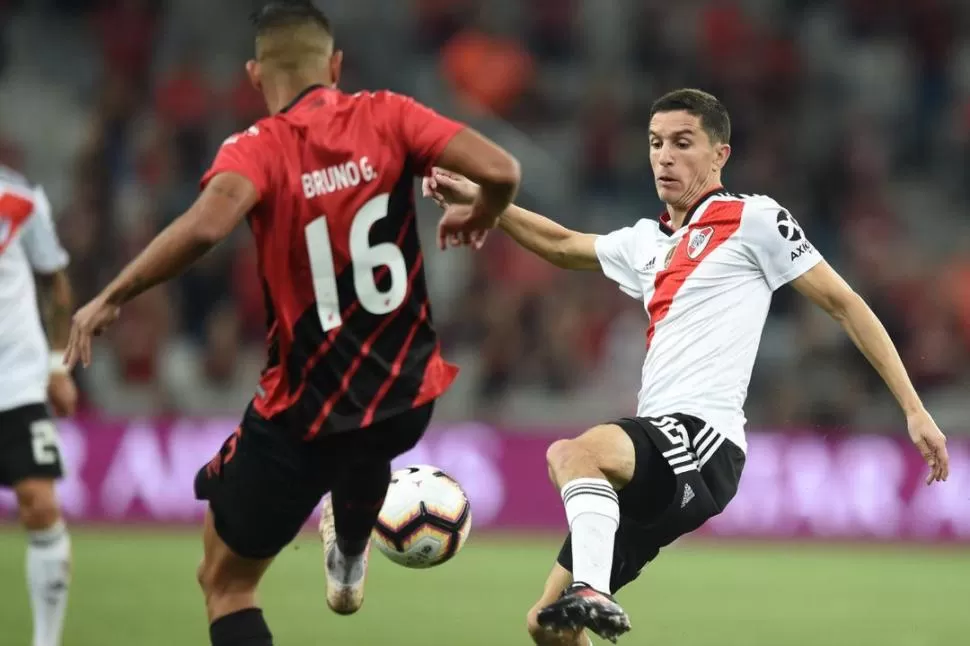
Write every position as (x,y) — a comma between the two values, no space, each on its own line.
(753,208)
(757,205)
(30,193)
(646,227)
(15,181)
(642,229)
(383,98)
(765,222)
(386,104)
(750,202)
(253,135)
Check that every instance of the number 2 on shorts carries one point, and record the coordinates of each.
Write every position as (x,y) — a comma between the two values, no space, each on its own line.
(43,441)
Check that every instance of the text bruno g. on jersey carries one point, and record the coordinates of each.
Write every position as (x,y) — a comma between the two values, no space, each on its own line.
(337,178)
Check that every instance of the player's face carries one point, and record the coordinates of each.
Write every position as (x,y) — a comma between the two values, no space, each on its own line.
(686,163)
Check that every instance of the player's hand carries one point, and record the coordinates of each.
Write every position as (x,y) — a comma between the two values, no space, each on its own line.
(457,229)
(446,188)
(89,321)
(931,443)
(62,394)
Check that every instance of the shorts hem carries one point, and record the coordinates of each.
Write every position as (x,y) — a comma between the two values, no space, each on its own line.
(237,547)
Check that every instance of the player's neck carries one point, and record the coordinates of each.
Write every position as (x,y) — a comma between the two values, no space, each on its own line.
(677,216)
(285,92)
(678,212)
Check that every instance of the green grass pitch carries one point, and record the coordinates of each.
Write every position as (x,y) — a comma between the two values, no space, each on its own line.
(138,588)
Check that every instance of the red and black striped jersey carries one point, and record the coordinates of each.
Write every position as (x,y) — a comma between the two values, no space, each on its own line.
(350,331)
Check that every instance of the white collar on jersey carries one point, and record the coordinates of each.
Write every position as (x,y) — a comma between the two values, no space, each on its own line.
(665,216)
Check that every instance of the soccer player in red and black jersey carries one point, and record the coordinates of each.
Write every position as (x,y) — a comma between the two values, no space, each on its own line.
(325,184)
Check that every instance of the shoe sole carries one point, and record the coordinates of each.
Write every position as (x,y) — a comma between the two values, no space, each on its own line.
(608,621)
(341,599)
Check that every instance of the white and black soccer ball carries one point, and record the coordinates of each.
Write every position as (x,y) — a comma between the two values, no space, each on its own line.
(425,519)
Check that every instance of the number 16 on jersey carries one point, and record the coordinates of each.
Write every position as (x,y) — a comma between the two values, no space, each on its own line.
(364,259)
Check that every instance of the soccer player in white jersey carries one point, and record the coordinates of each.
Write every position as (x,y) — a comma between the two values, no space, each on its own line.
(31,377)
(705,274)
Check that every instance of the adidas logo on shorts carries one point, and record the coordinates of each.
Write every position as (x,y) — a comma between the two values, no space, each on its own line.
(688,496)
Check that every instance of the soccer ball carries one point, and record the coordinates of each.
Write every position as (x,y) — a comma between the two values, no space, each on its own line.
(425,518)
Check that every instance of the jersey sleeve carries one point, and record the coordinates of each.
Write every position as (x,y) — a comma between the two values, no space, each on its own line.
(39,238)
(618,253)
(779,245)
(244,153)
(425,133)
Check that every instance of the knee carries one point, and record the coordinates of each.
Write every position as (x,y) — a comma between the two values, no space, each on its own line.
(604,450)
(205,576)
(543,637)
(214,581)
(532,625)
(37,503)
(221,582)
(562,453)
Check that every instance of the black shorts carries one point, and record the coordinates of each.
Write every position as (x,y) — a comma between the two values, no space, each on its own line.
(264,483)
(685,474)
(29,447)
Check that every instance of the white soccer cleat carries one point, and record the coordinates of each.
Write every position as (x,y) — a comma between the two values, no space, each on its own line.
(345,577)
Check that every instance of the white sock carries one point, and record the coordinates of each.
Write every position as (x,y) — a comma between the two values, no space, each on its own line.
(48,578)
(593,512)
(347,570)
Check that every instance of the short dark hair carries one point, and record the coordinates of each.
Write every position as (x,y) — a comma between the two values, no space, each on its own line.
(289,13)
(713,115)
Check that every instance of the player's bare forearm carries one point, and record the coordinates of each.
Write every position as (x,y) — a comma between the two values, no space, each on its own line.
(830,292)
(56,301)
(168,255)
(496,172)
(223,204)
(491,202)
(870,336)
(549,240)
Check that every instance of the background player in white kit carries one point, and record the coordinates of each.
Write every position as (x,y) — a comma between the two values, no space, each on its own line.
(31,376)
(705,273)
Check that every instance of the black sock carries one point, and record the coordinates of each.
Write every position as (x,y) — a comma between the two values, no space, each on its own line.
(241,628)
(357,499)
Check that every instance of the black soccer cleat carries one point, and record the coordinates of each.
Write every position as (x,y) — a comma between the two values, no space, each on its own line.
(581,606)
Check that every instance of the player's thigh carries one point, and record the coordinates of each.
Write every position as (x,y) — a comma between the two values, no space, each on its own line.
(556,582)
(607,446)
(686,474)
(37,503)
(651,488)
(262,486)
(30,458)
(224,571)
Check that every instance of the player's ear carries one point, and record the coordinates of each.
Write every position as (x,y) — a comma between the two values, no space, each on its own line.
(255,73)
(336,62)
(722,152)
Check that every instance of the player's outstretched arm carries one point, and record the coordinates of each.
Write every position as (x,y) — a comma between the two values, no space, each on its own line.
(555,243)
(221,206)
(827,289)
(224,202)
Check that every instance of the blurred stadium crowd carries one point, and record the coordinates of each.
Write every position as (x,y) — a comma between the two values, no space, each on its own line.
(855,114)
